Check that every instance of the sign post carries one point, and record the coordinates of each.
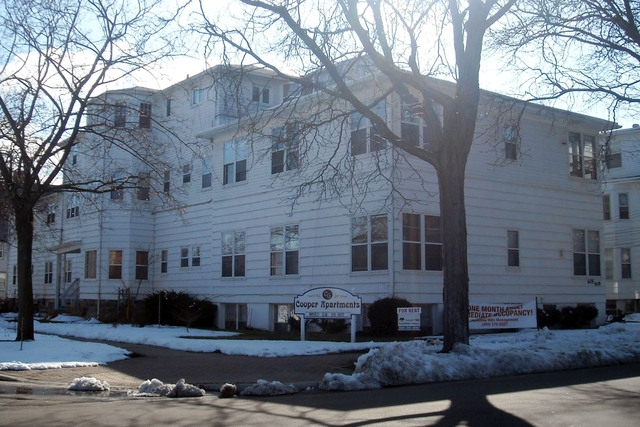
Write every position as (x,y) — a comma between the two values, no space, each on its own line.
(327,303)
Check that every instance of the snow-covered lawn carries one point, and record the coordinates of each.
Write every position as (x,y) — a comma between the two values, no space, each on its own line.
(385,364)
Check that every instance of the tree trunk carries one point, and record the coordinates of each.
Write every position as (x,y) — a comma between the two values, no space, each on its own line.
(454,252)
(24,234)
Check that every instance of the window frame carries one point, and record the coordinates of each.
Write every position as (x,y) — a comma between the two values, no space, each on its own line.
(371,244)
(142,265)
(582,155)
(513,248)
(625,263)
(115,264)
(586,257)
(143,187)
(48,272)
(285,148)
(606,207)
(235,161)
(90,264)
(164,261)
(207,173)
(369,140)
(197,96)
(184,257)
(195,256)
(144,115)
(284,251)
(623,205)
(120,115)
(233,253)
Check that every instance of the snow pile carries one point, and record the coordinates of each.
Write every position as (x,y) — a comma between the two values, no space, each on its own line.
(418,362)
(180,389)
(269,388)
(88,384)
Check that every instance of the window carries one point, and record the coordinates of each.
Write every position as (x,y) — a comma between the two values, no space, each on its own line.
(260,95)
(206,173)
(613,157)
(186,174)
(14,276)
(195,256)
(606,207)
(143,190)
(365,137)
(513,248)
(48,272)
(586,253)
(285,245)
(413,128)
(115,264)
(73,210)
(285,148)
(166,188)
(118,180)
(608,263)
(197,96)
(168,108)
(420,232)
(51,214)
(164,261)
(369,245)
(582,161)
(67,271)
(144,116)
(184,257)
(623,205)
(511,142)
(625,263)
(90,263)
(233,254)
(120,115)
(142,265)
(235,161)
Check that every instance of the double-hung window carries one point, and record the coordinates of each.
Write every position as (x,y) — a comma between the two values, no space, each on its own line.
(142,265)
(586,252)
(235,161)
(625,263)
(51,213)
(184,257)
(413,128)
(623,205)
(144,187)
(606,207)
(68,271)
(197,96)
(365,136)
(582,156)
(120,115)
(369,243)
(73,210)
(48,272)
(144,116)
(511,142)
(206,173)
(285,245)
(166,188)
(90,264)
(195,256)
(513,248)
(186,173)
(418,232)
(115,264)
(164,261)
(233,254)
(285,153)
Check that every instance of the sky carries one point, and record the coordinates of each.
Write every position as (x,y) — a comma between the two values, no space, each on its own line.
(382,365)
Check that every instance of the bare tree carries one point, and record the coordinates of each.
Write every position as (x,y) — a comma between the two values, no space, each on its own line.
(579,48)
(55,58)
(405,43)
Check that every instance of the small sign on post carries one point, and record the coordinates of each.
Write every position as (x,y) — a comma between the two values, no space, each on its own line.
(327,303)
(409,318)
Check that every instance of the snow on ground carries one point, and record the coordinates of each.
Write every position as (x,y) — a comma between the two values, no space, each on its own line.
(386,364)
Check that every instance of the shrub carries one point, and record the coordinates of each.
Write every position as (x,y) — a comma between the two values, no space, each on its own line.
(578,317)
(335,326)
(383,315)
(549,317)
(178,309)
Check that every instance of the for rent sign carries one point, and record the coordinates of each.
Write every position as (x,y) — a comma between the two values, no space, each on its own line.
(327,303)
(502,316)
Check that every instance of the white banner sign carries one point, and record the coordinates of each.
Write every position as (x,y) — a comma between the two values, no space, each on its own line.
(327,303)
(409,318)
(503,316)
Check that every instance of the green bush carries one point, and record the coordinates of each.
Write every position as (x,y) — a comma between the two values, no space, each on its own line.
(383,315)
(328,326)
(568,317)
(178,309)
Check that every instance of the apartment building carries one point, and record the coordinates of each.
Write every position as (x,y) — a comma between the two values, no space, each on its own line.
(215,216)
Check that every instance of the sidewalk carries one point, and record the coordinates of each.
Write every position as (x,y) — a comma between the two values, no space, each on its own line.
(208,370)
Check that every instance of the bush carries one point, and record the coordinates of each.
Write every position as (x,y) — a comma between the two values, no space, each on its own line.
(383,315)
(178,309)
(327,326)
(568,317)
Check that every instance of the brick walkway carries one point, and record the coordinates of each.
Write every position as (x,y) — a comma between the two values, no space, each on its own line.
(205,369)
